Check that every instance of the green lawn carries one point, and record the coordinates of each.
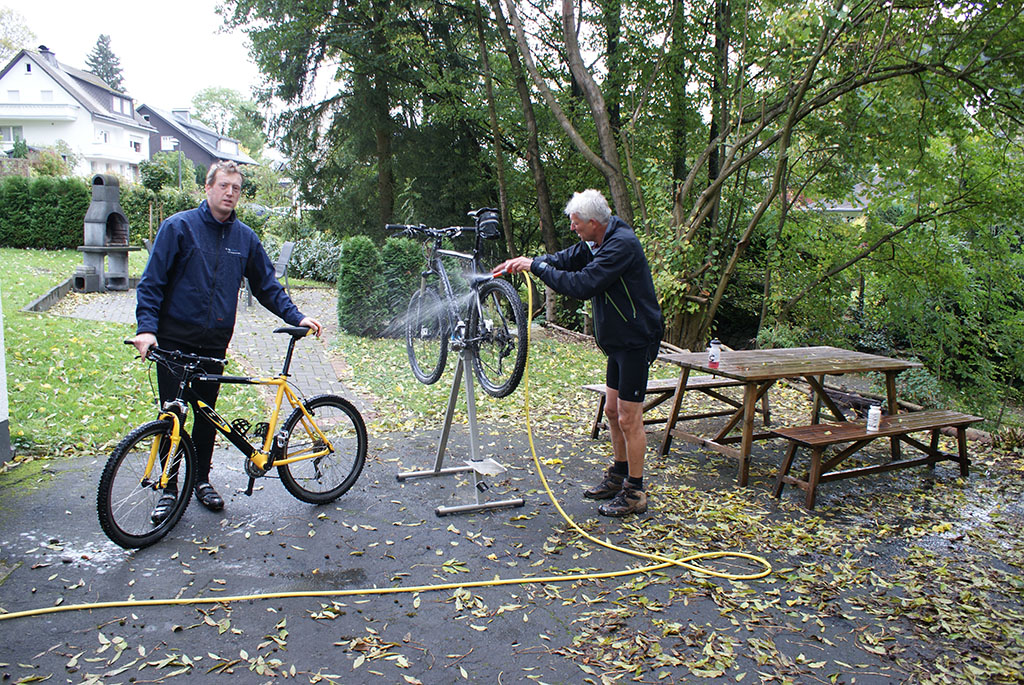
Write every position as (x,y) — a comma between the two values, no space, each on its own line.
(73,386)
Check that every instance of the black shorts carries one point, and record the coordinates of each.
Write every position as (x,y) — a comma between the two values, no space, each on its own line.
(627,372)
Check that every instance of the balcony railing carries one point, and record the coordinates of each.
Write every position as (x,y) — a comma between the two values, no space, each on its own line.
(44,111)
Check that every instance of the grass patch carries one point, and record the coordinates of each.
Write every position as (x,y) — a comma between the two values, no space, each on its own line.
(73,386)
(557,370)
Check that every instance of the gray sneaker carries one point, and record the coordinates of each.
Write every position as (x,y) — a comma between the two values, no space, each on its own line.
(607,488)
(628,501)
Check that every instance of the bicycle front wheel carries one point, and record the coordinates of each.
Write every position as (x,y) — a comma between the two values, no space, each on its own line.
(335,450)
(426,339)
(498,325)
(130,486)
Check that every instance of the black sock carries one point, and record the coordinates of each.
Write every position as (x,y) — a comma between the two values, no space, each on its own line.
(620,467)
(637,483)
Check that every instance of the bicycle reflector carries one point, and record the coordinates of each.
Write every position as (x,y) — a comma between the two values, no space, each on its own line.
(489,226)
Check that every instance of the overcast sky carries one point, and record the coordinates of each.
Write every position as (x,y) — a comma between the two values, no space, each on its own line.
(169,49)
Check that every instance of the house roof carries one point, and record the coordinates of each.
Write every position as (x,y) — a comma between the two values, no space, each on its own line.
(200,134)
(78,83)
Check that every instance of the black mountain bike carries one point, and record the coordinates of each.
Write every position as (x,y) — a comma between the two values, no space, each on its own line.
(488,321)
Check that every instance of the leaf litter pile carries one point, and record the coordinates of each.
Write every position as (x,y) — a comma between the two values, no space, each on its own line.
(911,576)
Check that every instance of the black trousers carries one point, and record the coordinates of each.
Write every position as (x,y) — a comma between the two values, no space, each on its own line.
(203,433)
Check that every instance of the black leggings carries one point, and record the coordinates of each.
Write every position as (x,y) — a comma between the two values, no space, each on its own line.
(203,433)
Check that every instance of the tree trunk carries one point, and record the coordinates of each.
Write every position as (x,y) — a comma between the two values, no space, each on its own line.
(533,158)
(499,158)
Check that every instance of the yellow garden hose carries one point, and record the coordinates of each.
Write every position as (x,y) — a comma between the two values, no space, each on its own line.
(662,561)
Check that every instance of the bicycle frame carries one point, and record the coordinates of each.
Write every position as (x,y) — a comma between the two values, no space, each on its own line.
(263,458)
(436,267)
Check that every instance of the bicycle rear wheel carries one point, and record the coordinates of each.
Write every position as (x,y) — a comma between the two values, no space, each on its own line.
(128,493)
(426,336)
(325,478)
(498,325)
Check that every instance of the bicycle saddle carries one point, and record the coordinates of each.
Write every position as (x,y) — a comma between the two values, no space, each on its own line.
(294,331)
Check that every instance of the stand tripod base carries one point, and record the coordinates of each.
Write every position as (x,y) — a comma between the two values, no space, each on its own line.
(465,508)
(478,467)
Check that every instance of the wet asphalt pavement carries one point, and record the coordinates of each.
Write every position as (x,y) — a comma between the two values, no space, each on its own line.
(382,534)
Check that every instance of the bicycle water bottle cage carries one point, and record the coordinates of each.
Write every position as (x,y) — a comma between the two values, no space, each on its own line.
(260,431)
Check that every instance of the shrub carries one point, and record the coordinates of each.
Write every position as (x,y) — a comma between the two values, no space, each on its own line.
(779,336)
(360,310)
(316,258)
(401,263)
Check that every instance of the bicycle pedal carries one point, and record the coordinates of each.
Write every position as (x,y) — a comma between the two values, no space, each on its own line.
(241,425)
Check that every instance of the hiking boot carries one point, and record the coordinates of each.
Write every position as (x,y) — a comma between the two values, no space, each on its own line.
(607,488)
(629,500)
(164,507)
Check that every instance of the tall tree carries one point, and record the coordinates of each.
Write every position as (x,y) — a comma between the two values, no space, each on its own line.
(231,114)
(104,63)
(14,34)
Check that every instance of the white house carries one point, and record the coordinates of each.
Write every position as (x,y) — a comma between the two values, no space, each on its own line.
(43,101)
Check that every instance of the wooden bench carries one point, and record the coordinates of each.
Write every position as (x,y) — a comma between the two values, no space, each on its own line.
(818,437)
(663,389)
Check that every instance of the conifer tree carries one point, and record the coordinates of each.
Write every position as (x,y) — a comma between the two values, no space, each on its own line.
(104,63)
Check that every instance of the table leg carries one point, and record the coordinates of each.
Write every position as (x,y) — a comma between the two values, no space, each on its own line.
(749,409)
(784,469)
(815,476)
(961,445)
(893,409)
(673,415)
(597,418)
(816,408)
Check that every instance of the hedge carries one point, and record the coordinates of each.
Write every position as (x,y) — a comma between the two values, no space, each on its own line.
(42,212)
(48,213)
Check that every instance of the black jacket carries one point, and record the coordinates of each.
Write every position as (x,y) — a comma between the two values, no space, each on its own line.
(617,279)
(189,289)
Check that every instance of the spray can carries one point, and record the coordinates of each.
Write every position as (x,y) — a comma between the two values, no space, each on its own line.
(714,353)
(874,417)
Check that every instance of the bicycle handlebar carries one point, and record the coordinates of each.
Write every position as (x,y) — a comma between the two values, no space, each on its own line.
(447,232)
(162,356)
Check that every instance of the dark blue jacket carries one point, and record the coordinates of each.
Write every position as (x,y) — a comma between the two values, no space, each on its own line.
(616,278)
(189,289)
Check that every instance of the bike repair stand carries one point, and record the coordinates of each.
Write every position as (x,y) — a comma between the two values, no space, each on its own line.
(478,467)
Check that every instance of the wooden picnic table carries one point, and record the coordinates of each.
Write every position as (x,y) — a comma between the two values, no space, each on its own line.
(757,371)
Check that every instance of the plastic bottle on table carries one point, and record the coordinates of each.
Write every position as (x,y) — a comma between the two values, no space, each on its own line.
(714,353)
(874,417)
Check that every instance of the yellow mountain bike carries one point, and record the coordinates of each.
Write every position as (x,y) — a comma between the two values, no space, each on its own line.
(319,450)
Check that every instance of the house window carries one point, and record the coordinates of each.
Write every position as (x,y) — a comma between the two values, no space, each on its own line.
(28,68)
(136,145)
(102,136)
(13,96)
(9,134)
(46,95)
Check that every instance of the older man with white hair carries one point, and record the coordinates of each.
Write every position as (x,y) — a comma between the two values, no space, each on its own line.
(608,266)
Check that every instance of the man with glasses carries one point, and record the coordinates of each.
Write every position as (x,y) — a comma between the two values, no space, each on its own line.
(188,297)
